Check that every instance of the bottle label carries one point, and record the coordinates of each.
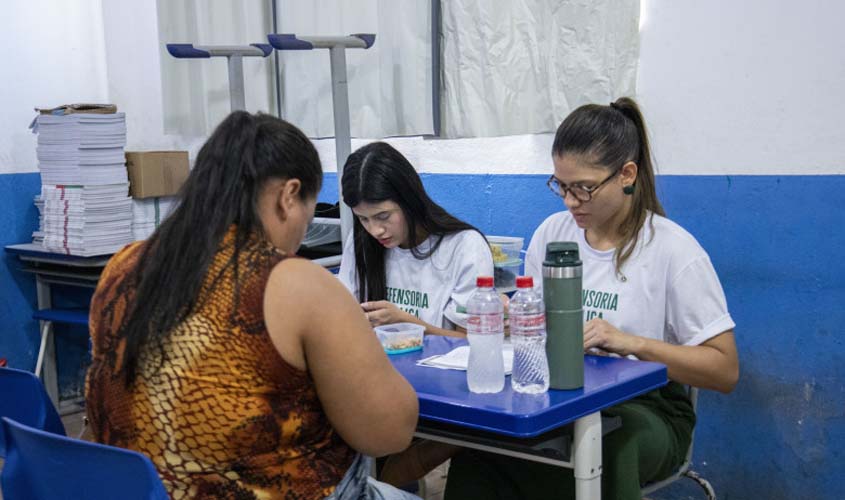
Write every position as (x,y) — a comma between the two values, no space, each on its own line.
(485,323)
(528,322)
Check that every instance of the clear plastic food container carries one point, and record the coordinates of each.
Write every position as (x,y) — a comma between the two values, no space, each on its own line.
(505,248)
(399,338)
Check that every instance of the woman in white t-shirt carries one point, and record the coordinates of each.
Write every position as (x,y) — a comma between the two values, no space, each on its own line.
(649,291)
(408,260)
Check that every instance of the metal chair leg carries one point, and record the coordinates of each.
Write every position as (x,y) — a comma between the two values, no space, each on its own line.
(421,489)
(45,337)
(705,484)
(84,427)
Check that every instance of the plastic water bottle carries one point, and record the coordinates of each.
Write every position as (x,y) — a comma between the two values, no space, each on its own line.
(528,335)
(486,333)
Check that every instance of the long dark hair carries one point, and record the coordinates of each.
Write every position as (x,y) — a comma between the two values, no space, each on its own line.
(375,173)
(222,189)
(609,137)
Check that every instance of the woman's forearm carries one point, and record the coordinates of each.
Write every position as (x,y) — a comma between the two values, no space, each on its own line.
(711,365)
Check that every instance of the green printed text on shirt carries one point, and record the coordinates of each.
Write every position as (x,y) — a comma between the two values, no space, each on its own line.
(595,302)
(410,301)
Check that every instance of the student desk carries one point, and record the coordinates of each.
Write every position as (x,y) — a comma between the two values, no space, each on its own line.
(56,269)
(562,428)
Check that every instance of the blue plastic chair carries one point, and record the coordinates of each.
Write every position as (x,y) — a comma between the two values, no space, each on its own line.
(25,400)
(44,466)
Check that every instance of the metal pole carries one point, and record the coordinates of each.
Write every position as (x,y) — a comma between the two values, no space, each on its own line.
(586,457)
(49,373)
(236,82)
(435,65)
(337,46)
(342,135)
(277,70)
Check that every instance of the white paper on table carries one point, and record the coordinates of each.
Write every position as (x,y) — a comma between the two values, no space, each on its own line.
(458,359)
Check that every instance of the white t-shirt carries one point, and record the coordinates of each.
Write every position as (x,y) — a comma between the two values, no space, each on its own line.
(432,287)
(669,292)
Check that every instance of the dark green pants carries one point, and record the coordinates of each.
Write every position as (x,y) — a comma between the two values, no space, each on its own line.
(651,444)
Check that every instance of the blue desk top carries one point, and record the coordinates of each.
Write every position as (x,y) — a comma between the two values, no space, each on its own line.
(36,253)
(445,397)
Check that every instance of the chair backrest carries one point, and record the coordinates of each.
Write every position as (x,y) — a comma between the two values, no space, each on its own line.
(692,392)
(25,400)
(41,466)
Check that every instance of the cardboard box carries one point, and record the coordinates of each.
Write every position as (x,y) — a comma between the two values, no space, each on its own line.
(156,173)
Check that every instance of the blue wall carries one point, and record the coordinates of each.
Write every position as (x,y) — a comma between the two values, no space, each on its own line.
(777,244)
(18,218)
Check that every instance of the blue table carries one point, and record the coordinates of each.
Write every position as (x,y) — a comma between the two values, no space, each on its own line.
(519,425)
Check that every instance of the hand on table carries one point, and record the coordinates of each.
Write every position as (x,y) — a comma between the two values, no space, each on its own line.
(601,335)
(382,312)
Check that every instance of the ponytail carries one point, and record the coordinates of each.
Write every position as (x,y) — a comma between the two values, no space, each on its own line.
(612,136)
(645,190)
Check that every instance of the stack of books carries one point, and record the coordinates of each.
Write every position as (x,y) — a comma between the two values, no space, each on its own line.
(84,203)
(148,213)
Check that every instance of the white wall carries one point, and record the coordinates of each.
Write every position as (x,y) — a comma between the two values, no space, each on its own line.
(751,87)
(52,53)
(744,87)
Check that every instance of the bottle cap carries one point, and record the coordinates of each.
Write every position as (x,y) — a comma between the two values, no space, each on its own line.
(525,282)
(562,254)
(484,282)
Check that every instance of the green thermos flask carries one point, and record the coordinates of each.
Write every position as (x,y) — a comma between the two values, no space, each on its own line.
(564,316)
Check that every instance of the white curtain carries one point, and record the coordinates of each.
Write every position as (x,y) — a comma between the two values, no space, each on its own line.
(196,91)
(390,84)
(520,66)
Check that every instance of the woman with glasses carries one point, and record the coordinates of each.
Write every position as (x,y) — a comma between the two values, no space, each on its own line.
(408,260)
(649,292)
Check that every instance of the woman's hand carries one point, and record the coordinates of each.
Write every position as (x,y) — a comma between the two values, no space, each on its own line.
(382,312)
(600,334)
(713,364)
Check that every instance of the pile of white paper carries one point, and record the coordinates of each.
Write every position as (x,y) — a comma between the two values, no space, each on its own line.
(85,205)
(458,359)
(82,149)
(148,213)
(38,235)
(86,220)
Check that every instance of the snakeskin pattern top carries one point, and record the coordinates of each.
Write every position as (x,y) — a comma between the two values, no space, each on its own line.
(224,416)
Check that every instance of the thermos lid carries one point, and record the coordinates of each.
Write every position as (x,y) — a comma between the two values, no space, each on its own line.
(562,254)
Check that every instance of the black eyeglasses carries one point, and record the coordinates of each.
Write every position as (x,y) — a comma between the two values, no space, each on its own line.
(581,193)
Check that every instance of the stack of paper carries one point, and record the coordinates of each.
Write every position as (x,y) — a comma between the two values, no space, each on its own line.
(86,220)
(148,213)
(84,203)
(38,235)
(82,149)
